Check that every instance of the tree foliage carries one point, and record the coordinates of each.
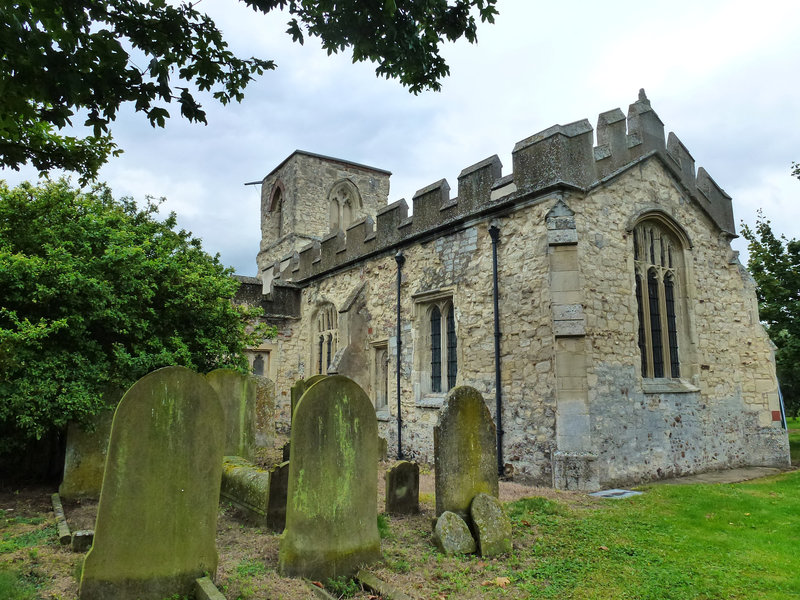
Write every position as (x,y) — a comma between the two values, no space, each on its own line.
(95,293)
(775,265)
(60,59)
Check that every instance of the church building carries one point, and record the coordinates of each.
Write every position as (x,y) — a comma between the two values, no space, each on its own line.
(590,294)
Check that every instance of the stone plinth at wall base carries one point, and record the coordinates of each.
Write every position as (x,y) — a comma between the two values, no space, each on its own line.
(204,589)
(575,471)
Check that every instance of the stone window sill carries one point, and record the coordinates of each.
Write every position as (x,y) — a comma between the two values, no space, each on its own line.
(383,415)
(431,400)
(667,386)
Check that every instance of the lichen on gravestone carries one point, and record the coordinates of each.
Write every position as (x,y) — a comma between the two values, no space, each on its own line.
(156,519)
(402,488)
(452,535)
(465,452)
(331,512)
(491,525)
(237,395)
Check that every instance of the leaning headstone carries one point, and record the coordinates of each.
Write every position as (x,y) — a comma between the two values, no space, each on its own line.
(278,487)
(157,516)
(452,536)
(402,488)
(331,509)
(85,456)
(491,525)
(465,452)
(237,394)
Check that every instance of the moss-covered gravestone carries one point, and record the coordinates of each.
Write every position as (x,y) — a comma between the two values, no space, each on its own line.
(265,412)
(85,456)
(237,394)
(157,516)
(465,452)
(331,510)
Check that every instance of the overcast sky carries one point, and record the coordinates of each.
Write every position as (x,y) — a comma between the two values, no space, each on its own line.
(721,74)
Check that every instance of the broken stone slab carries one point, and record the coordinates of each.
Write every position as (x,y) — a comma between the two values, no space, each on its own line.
(452,536)
(491,525)
(82,540)
(204,589)
(379,586)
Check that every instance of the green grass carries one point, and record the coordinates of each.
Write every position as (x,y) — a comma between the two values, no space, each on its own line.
(14,586)
(10,542)
(672,543)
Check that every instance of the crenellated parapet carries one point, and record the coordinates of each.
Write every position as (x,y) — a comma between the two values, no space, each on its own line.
(563,156)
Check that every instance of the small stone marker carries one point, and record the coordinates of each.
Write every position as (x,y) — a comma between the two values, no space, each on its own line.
(491,525)
(237,394)
(331,510)
(157,516)
(402,488)
(452,536)
(465,452)
(82,540)
(278,487)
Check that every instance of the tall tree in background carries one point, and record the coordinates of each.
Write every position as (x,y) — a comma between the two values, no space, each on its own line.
(775,265)
(83,59)
(95,293)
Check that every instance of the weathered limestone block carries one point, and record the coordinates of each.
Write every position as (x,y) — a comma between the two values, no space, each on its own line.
(491,525)
(402,488)
(331,512)
(237,394)
(246,486)
(465,451)
(452,536)
(157,516)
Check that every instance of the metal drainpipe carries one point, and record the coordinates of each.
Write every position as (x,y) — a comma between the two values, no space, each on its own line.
(494,232)
(400,259)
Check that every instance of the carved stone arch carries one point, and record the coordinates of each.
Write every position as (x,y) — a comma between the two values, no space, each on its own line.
(662,218)
(344,204)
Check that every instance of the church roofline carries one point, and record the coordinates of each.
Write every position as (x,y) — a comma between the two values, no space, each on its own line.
(341,161)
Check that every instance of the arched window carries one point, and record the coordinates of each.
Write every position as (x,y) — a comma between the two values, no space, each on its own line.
(325,338)
(443,346)
(276,209)
(658,259)
(344,205)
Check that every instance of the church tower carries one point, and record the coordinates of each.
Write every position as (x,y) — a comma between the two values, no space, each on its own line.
(309,196)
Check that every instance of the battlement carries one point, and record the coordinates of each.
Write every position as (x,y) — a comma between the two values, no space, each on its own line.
(561,156)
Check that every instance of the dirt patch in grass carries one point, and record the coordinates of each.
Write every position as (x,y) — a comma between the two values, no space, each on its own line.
(248,555)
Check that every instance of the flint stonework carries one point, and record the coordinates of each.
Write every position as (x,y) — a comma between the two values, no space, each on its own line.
(491,526)
(331,511)
(157,515)
(237,394)
(402,488)
(465,452)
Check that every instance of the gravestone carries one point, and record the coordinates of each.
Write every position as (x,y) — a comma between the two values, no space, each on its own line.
(237,394)
(157,515)
(491,525)
(331,509)
(465,452)
(452,535)
(278,487)
(402,488)
(85,456)
(265,412)
(299,388)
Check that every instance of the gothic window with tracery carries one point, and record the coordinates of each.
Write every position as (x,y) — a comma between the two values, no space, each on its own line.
(658,260)
(325,338)
(344,204)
